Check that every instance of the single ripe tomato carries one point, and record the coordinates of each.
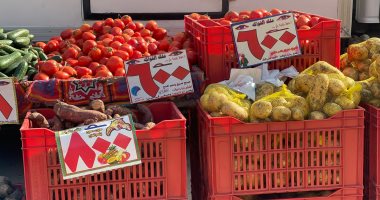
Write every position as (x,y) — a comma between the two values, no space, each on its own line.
(139,26)
(98,26)
(195,16)
(69,70)
(126,19)
(119,39)
(88,36)
(303,20)
(72,62)
(128,31)
(151,25)
(243,17)
(225,22)
(106,29)
(49,67)
(159,34)
(108,52)
(41,76)
(119,72)
(88,45)
(116,31)
(107,41)
(109,22)
(57,38)
(180,37)
(136,55)
(104,60)
(100,68)
(314,21)
(256,14)
(81,71)
(115,63)
(93,66)
(95,54)
(40,44)
(84,60)
(67,33)
(146,54)
(145,33)
(71,52)
(52,45)
(231,15)
(104,74)
(275,11)
(132,26)
(149,39)
(142,47)
(176,44)
(127,48)
(85,27)
(152,48)
(61,75)
(119,23)
(77,34)
(122,54)
(87,76)
(133,42)
(115,44)
(245,12)
(304,27)
(204,17)
(136,34)
(164,45)
(79,43)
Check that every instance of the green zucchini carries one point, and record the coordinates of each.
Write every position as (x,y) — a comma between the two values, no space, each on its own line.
(6,61)
(3,36)
(21,70)
(3,53)
(7,42)
(18,33)
(22,42)
(11,49)
(57,58)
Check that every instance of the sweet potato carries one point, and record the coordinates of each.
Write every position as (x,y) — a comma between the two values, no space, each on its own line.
(38,120)
(97,105)
(56,124)
(74,114)
(317,94)
(120,110)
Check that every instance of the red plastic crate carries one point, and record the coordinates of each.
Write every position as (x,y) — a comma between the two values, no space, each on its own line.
(372,152)
(277,157)
(162,174)
(216,52)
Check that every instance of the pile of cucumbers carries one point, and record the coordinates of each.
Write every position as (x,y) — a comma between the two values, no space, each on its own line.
(17,56)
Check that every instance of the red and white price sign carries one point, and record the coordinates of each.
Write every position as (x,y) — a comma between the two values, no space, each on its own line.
(267,39)
(158,76)
(8,102)
(99,147)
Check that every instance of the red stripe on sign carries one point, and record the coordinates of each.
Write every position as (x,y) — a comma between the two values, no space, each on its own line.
(5,107)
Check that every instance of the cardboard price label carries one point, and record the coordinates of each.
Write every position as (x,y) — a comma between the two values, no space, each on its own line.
(99,147)
(8,102)
(267,39)
(158,76)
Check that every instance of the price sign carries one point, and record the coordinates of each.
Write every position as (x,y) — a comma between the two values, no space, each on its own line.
(158,76)
(267,39)
(8,102)
(99,147)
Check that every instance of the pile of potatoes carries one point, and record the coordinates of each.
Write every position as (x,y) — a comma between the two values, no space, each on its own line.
(360,60)
(326,89)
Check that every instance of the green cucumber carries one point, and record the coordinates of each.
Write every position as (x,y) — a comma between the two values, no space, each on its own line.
(3,75)
(31,37)
(3,36)
(1,30)
(3,53)
(42,56)
(27,58)
(57,58)
(34,63)
(11,49)
(7,42)
(31,73)
(6,61)
(18,33)
(21,70)
(22,42)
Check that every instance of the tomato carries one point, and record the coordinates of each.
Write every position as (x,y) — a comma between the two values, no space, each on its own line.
(119,38)
(88,36)
(152,48)
(69,70)
(159,34)
(41,76)
(81,71)
(128,31)
(225,22)
(108,52)
(188,44)
(93,66)
(40,44)
(195,16)
(119,23)
(267,14)
(100,68)
(49,67)
(57,38)
(132,26)
(126,19)
(304,27)
(176,44)
(164,45)
(180,37)
(204,17)
(136,34)
(145,33)
(115,44)
(146,54)
(303,20)
(151,25)
(115,63)
(136,55)
(103,61)
(127,48)
(88,45)
(106,29)
(275,11)
(122,54)
(314,21)
(306,15)
(66,34)
(77,34)
(243,17)
(133,42)
(84,61)
(149,39)
(173,48)
(191,57)
(52,45)
(126,38)
(85,27)
(107,42)
(256,14)
(109,22)
(142,47)
(61,75)
(104,74)
(116,31)
(87,76)
(262,10)
(119,72)
(140,39)
(70,53)
(72,62)
(98,26)
(139,26)
(95,54)
(245,12)
(230,15)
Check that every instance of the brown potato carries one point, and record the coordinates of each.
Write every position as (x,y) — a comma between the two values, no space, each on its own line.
(213,101)
(336,86)
(331,109)
(261,109)
(366,95)
(345,103)
(351,72)
(297,114)
(281,113)
(357,52)
(317,95)
(232,109)
(316,115)
(362,66)
(216,114)
(375,89)
(279,102)
(363,76)
(303,82)
(299,102)
(264,90)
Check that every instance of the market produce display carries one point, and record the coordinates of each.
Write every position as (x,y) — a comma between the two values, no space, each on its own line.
(70,116)
(100,49)
(359,62)
(17,56)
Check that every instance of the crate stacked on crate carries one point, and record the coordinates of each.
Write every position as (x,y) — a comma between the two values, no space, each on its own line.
(243,159)
(216,52)
(162,174)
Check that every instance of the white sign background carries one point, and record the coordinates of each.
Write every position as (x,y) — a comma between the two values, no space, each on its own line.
(8,91)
